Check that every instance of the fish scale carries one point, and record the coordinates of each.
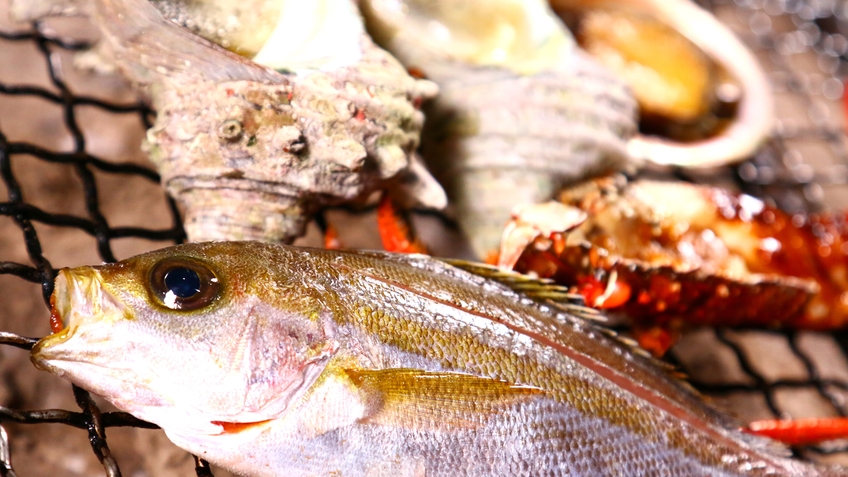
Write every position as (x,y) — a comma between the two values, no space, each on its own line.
(346,363)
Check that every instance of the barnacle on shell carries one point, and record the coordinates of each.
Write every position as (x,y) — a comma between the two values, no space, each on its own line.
(251,151)
(520,111)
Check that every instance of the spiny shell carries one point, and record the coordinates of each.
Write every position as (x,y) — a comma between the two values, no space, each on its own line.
(520,110)
(250,152)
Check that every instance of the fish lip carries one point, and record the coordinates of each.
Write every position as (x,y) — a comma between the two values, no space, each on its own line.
(36,356)
(78,299)
(60,303)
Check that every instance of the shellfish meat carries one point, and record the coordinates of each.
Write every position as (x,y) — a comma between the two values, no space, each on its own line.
(670,74)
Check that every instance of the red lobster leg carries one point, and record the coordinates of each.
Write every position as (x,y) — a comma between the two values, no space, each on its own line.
(799,432)
(396,229)
(601,295)
(656,339)
(331,238)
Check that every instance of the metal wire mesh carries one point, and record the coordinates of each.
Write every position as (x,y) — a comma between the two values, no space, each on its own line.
(94,223)
(805,167)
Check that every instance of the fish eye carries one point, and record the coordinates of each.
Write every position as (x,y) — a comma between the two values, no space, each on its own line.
(182,284)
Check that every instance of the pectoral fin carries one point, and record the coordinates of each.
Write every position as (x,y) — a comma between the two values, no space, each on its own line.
(413,398)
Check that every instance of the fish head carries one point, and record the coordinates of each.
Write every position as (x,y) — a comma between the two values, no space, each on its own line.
(186,338)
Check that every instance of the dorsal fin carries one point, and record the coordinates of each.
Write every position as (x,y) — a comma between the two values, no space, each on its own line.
(539,289)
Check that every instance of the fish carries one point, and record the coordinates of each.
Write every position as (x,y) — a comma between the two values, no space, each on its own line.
(272,360)
(253,151)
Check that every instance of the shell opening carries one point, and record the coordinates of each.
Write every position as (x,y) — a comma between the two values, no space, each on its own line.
(230,214)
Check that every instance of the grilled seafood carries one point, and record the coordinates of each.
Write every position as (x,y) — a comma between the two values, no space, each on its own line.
(523,110)
(673,253)
(270,360)
(520,109)
(250,152)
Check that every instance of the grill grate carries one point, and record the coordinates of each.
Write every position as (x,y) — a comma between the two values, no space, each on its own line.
(805,167)
(25,214)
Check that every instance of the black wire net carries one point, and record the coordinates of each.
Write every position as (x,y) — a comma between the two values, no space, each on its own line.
(79,192)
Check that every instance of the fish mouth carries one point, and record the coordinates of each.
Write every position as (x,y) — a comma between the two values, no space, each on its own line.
(78,301)
(60,303)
